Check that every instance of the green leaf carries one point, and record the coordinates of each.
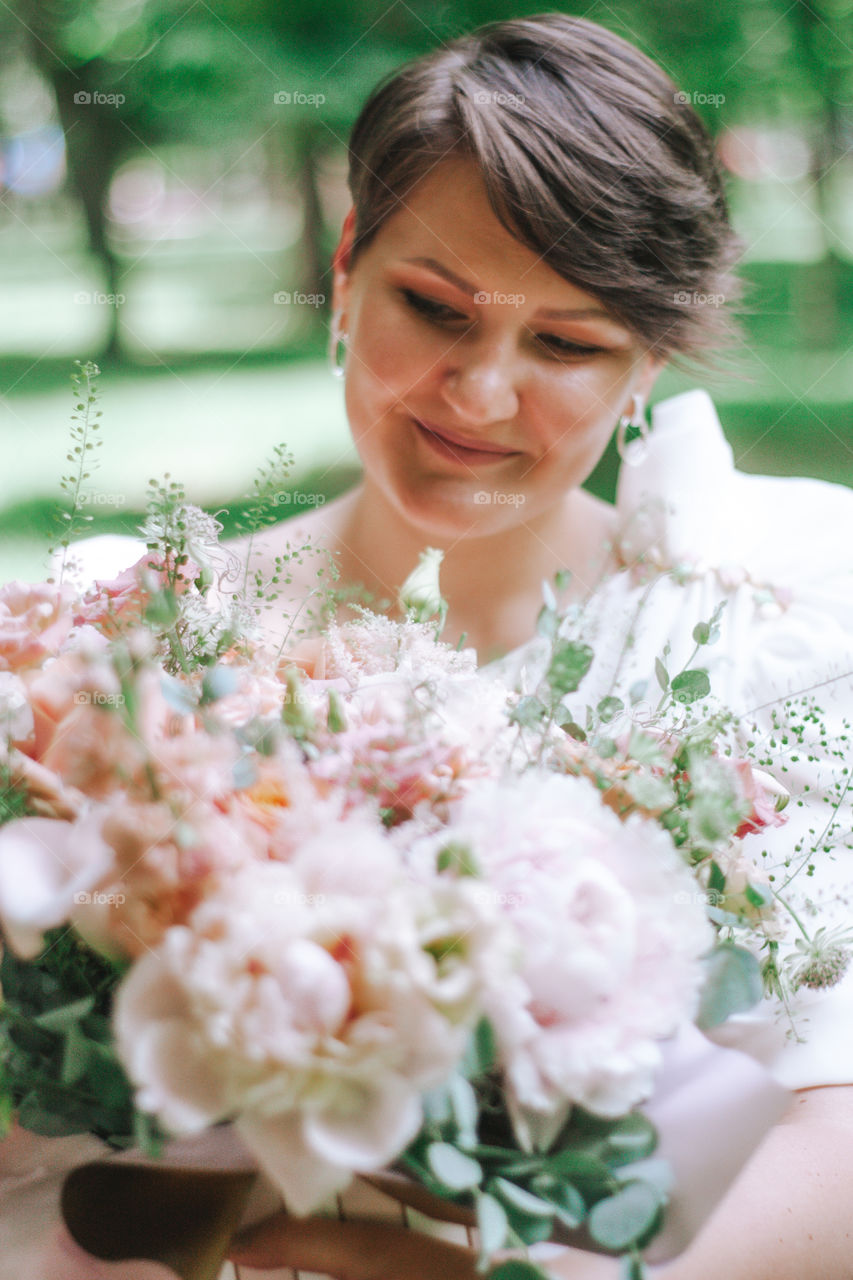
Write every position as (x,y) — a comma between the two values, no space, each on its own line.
(656,1171)
(178,696)
(569,1204)
(528,712)
(336,719)
(702,632)
(548,595)
(76,1055)
(662,675)
(525,1202)
(217,683)
(65,1018)
(491,1223)
(733,985)
(632,1138)
(459,858)
(569,664)
(518,1270)
(580,1167)
(452,1168)
(464,1103)
(609,708)
(637,691)
(626,1218)
(689,686)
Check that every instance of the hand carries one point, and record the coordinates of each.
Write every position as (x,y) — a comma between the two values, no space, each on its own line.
(359,1250)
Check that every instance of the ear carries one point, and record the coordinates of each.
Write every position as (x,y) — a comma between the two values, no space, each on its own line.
(340,263)
(651,366)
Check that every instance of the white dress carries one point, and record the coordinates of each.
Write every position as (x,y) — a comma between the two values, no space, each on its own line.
(693,532)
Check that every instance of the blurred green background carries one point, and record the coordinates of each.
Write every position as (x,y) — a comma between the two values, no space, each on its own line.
(172,186)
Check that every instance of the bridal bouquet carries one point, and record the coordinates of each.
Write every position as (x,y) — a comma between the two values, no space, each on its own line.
(358,898)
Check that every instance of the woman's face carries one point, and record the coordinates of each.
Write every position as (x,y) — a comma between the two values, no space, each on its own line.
(480,385)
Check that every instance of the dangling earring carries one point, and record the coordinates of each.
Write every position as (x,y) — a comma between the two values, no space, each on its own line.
(633,451)
(338,338)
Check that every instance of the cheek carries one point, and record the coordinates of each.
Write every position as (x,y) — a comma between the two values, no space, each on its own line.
(577,412)
(388,361)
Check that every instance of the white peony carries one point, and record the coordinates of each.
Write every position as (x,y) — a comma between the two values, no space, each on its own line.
(609,933)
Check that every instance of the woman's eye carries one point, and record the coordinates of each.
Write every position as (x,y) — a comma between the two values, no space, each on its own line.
(430,308)
(563,347)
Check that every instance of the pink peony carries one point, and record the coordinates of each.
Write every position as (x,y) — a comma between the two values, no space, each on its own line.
(766,796)
(35,619)
(313,1001)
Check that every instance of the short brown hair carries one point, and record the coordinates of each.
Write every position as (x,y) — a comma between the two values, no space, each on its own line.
(590,156)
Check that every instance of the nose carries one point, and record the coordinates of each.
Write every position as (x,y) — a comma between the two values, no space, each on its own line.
(480,386)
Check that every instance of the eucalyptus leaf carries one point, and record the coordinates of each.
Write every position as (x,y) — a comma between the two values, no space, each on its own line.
(690,686)
(515,1197)
(528,712)
(609,708)
(631,1139)
(492,1223)
(662,675)
(569,664)
(515,1269)
(626,1218)
(452,1167)
(733,985)
(218,683)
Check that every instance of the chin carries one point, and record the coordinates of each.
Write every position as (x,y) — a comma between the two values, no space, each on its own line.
(447,516)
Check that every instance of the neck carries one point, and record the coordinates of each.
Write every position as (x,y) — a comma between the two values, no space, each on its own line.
(492,583)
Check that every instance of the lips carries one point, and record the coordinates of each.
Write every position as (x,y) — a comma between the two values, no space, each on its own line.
(449,442)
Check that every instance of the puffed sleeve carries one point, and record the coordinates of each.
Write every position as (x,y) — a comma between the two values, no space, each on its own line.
(777,552)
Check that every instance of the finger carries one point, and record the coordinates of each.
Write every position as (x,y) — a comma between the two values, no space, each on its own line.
(350,1250)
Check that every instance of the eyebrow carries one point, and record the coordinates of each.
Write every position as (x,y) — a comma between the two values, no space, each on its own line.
(576,313)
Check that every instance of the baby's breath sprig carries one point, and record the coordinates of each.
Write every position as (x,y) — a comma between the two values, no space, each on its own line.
(84,441)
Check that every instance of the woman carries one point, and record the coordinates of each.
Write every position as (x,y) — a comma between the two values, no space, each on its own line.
(538,227)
